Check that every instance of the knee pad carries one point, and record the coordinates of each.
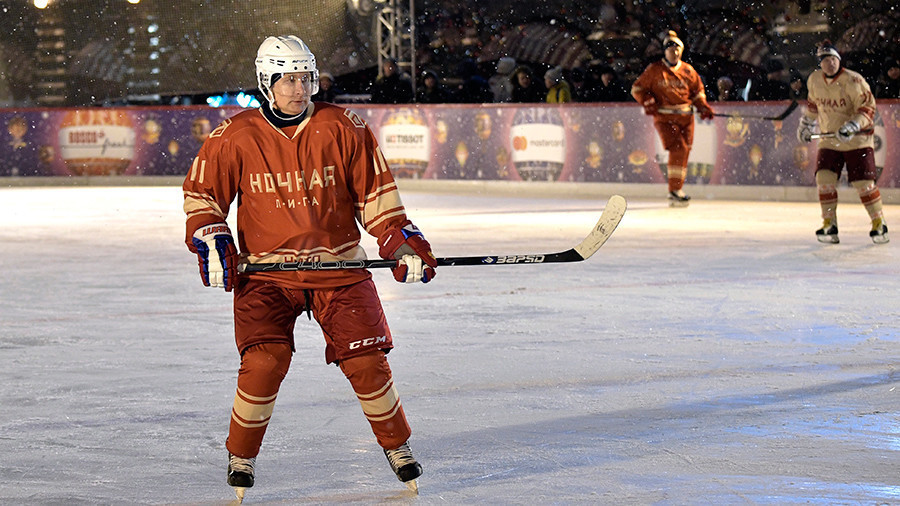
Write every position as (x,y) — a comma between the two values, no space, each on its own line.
(263,367)
(864,186)
(266,360)
(825,178)
(370,377)
(370,369)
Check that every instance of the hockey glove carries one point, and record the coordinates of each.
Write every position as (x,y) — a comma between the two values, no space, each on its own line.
(408,246)
(847,131)
(806,129)
(650,106)
(705,111)
(217,255)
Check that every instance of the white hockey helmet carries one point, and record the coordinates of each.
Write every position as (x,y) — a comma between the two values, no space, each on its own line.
(282,55)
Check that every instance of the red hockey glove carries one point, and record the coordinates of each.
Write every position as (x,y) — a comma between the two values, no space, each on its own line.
(217,255)
(408,246)
(705,111)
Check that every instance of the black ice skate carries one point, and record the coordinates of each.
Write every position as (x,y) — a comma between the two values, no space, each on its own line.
(678,199)
(829,232)
(879,231)
(405,466)
(240,474)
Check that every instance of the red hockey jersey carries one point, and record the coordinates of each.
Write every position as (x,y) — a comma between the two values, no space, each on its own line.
(300,191)
(672,87)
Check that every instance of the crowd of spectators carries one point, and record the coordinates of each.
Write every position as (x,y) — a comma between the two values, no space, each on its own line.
(511,81)
(519,82)
(451,67)
(888,83)
(526,82)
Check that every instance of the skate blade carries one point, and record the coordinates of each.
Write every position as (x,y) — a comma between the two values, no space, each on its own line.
(239,492)
(679,203)
(880,239)
(412,485)
(828,239)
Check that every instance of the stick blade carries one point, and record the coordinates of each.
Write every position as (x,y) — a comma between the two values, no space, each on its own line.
(609,220)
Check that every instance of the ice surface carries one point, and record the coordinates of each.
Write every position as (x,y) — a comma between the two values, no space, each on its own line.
(710,355)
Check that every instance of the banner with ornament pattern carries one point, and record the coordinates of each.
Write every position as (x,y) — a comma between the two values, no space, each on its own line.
(521,142)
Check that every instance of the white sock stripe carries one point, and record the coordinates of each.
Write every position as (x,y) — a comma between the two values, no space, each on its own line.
(386,416)
(253,398)
(380,405)
(676,172)
(377,393)
(248,425)
(248,412)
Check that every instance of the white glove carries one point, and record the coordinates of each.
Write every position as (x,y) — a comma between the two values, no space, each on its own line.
(414,267)
(847,131)
(806,128)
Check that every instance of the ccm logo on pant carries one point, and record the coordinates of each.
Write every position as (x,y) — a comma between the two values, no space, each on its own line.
(369,341)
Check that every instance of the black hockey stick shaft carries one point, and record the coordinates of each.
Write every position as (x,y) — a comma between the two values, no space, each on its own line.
(609,220)
(787,112)
(563,256)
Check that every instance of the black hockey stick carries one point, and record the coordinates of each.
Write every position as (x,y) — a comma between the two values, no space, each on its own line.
(787,112)
(609,220)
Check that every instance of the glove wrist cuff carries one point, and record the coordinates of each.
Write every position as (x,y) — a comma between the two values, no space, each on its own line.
(212,229)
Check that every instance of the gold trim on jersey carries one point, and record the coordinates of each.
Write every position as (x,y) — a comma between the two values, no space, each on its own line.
(198,169)
(199,203)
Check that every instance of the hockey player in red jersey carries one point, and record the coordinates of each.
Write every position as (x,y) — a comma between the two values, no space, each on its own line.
(669,90)
(840,103)
(306,176)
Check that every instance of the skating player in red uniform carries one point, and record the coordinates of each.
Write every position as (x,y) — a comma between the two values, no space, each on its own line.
(669,90)
(306,176)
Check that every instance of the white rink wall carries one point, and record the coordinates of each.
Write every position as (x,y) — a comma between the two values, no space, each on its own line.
(512,188)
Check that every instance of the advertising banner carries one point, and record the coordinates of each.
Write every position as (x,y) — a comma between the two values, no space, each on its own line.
(518,142)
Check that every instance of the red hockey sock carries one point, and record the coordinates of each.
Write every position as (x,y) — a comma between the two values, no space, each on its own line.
(371,379)
(263,367)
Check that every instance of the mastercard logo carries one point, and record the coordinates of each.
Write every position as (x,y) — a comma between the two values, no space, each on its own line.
(520,143)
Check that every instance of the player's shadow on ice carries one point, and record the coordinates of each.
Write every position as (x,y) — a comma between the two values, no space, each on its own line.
(530,452)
